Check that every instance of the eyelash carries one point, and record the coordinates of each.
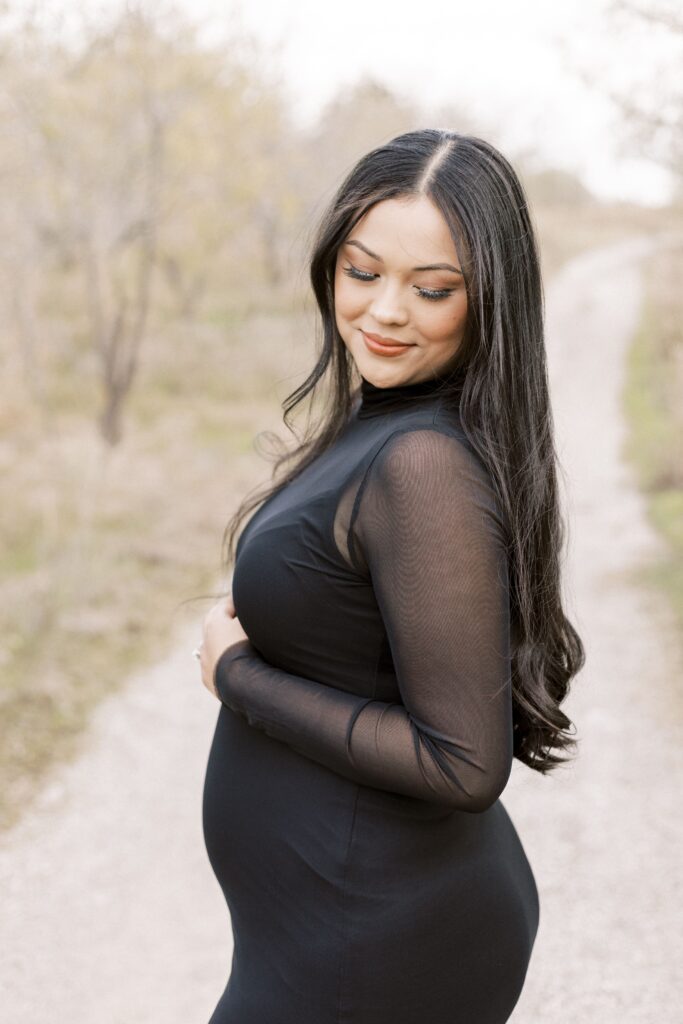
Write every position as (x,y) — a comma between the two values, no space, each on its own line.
(426,293)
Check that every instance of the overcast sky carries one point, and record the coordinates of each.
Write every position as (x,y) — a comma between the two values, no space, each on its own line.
(513,64)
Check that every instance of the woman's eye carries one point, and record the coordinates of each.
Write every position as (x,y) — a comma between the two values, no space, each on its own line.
(432,294)
(360,275)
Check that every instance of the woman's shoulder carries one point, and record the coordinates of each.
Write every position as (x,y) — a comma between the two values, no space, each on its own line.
(415,447)
(430,466)
(422,429)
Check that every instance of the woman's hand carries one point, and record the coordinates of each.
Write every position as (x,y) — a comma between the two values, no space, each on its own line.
(221,629)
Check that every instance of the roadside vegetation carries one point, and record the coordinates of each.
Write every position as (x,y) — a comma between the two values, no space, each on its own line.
(654,404)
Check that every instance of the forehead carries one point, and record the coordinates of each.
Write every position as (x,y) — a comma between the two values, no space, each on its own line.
(406,228)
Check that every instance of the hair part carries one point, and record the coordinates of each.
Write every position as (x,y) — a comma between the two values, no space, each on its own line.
(433,165)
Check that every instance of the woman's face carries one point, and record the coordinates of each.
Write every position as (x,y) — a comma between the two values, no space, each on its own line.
(388,286)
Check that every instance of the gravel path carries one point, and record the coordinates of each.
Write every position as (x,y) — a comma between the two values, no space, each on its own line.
(602,833)
(111,912)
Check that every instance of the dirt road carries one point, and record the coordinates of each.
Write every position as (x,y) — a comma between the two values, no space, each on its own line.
(110,911)
(602,834)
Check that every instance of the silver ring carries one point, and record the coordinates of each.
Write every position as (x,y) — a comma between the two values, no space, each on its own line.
(197,653)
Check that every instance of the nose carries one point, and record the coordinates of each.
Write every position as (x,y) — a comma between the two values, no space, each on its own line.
(388,306)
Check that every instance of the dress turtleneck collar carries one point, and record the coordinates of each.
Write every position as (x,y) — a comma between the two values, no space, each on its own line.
(376,401)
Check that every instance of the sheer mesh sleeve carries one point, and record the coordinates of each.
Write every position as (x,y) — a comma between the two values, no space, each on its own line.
(427,529)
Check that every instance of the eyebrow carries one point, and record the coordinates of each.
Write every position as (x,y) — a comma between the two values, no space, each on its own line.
(431,266)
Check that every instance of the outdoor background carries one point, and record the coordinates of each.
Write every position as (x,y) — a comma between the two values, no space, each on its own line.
(162,169)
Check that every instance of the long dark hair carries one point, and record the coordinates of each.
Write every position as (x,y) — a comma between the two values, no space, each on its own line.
(504,403)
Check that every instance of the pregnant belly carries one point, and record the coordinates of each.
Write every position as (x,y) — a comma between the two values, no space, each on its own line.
(274,821)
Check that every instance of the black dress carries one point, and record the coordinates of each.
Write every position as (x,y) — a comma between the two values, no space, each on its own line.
(351,807)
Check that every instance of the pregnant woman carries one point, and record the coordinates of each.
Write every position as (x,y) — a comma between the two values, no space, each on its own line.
(394,634)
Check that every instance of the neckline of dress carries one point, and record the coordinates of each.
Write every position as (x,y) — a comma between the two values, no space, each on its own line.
(376,401)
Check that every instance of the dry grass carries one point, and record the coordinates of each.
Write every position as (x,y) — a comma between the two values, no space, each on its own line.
(566,230)
(103,546)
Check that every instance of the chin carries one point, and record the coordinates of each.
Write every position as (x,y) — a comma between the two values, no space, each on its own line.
(381,371)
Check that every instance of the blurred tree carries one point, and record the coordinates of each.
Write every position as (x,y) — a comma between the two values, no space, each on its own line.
(355,121)
(557,187)
(651,105)
(654,115)
(94,120)
(142,167)
(230,201)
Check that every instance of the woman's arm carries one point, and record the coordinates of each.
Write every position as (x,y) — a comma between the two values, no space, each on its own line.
(429,533)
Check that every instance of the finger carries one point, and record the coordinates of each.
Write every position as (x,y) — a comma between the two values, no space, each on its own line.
(205,675)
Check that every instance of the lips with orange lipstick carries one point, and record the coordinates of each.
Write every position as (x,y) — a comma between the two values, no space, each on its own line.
(385,346)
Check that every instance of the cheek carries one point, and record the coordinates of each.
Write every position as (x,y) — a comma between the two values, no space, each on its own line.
(443,323)
(348,299)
